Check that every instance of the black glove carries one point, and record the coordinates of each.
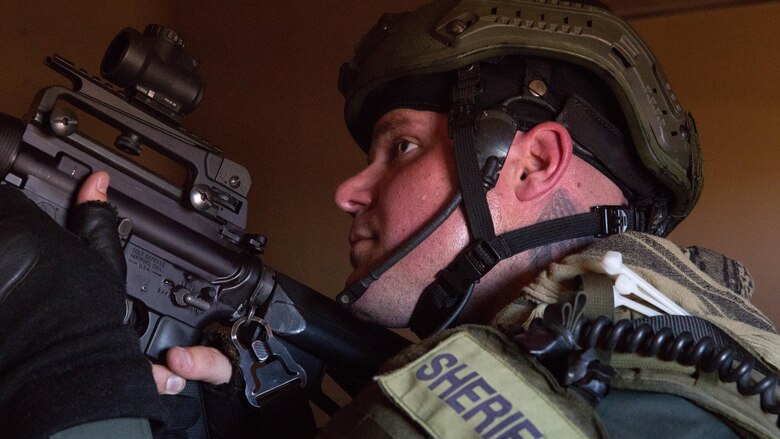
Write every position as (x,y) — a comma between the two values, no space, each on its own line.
(185,415)
(286,415)
(95,222)
(66,359)
(223,412)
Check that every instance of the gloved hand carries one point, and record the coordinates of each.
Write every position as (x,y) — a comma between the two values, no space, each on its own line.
(285,415)
(229,415)
(67,359)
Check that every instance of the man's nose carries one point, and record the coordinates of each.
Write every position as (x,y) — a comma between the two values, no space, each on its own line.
(357,192)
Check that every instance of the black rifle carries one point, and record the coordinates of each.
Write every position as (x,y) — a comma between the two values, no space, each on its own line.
(190,260)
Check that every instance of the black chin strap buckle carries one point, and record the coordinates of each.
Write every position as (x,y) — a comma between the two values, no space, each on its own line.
(614,219)
(443,300)
(479,258)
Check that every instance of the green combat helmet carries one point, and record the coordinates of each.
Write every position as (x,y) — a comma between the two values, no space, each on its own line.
(580,65)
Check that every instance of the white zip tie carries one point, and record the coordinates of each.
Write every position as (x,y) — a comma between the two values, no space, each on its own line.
(628,282)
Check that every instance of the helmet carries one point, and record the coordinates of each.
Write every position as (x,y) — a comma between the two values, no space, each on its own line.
(448,35)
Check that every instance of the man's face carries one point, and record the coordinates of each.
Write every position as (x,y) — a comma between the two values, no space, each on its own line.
(410,178)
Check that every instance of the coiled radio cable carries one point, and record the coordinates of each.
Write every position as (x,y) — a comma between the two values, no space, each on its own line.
(564,333)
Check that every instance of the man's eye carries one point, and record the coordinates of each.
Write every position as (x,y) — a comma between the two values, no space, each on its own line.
(405,146)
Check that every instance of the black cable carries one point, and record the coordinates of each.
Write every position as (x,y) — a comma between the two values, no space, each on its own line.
(353,292)
(533,100)
(684,349)
(415,240)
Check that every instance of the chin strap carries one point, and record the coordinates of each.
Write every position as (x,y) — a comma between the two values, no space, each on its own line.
(445,298)
(481,140)
(481,143)
(463,127)
(442,300)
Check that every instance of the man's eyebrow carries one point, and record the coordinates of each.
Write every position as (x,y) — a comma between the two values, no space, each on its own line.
(386,125)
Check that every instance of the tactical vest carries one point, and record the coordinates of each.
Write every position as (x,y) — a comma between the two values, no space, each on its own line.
(474,382)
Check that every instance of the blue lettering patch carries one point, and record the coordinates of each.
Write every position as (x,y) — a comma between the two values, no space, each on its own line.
(461,390)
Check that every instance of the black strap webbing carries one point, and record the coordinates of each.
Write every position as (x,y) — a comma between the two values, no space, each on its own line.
(474,200)
(463,123)
(442,300)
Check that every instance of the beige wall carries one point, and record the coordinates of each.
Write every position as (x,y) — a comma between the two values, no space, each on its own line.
(272,105)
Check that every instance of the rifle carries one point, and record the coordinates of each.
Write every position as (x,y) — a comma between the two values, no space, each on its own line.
(190,260)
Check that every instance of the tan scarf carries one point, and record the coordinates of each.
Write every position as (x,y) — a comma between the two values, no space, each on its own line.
(705,283)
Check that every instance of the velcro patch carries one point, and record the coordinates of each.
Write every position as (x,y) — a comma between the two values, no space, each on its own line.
(462,390)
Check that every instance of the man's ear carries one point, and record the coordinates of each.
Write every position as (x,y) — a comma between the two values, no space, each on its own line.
(538,159)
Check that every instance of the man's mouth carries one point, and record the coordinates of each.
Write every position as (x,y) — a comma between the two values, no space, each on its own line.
(355,238)
(360,242)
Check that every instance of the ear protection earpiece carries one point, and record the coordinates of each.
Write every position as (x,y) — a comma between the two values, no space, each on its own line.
(494,135)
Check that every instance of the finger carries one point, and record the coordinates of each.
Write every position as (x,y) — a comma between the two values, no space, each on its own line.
(168,383)
(200,363)
(96,222)
(94,188)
